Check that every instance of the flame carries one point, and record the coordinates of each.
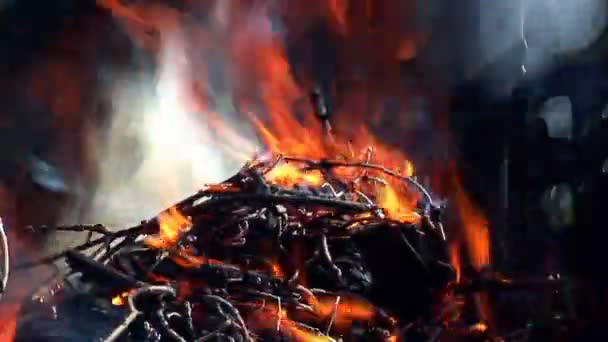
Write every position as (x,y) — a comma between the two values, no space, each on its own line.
(172,225)
(408,169)
(484,308)
(475,225)
(264,86)
(120,299)
(277,271)
(343,310)
(479,327)
(8,322)
(455,260)
(289,175)
(476,240)
(337,10)
(396,207)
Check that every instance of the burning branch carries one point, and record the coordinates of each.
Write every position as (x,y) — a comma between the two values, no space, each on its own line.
(235,256)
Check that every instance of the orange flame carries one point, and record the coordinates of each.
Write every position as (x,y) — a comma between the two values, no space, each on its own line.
(172,225)
(120,299)
(479,327)
(477,241)
(265,89)
(289,175)
(455,260)
(396,207)
(277,271)
(343,311)
(261,74)
(476,233)
(8,322)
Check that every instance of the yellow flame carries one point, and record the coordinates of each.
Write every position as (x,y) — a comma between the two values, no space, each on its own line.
(121,299)
(172,225)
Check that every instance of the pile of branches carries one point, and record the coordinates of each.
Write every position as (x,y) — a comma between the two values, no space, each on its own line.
(250,259)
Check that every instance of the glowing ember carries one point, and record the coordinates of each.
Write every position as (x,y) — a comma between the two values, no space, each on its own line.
(121,299)
(276,270)
(479,327)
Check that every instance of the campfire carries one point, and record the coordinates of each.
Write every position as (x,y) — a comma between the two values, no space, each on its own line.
(326,233)
(289,247)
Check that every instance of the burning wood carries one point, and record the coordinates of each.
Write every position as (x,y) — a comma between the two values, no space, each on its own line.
(279,250)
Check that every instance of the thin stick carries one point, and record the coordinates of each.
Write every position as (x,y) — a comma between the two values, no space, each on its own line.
(333,316)
(366,165)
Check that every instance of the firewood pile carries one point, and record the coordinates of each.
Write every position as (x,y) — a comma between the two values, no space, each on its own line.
(287,249)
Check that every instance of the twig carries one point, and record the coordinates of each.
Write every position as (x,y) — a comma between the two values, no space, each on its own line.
(82,247)
(160,315)
(333,316)
(235,313)
(366,165)
(4,259)
(215,332)
(327,257)
(284,198)
(280,313)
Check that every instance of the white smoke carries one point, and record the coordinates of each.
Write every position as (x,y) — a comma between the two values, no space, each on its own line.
(157,151)
(540,30)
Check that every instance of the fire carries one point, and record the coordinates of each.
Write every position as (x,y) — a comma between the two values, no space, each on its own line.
(455,260)
(265,89)
(479,327)
(476,233)
(288,175)
(263,86)
(343,310)
(395,206)
(8,322)
(476,238)
(337,10)
(276,270)
(172,225)
(120,299)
